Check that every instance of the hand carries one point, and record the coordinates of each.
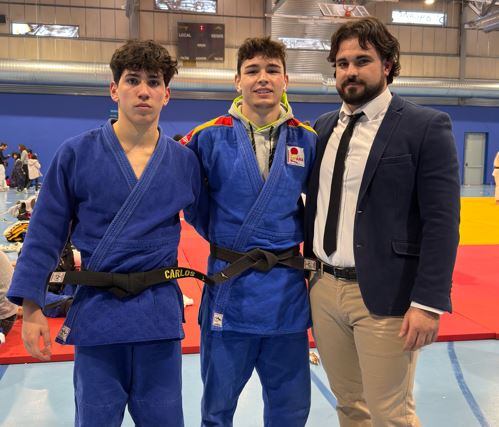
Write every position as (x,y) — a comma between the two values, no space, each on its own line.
(420,327)
(35,325)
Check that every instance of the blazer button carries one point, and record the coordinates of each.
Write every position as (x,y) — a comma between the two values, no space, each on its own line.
(358,245)
(360,211)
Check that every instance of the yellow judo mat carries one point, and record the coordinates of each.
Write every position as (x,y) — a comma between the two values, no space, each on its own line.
(479,221)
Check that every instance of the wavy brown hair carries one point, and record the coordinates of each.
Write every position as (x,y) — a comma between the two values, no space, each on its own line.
(145,55)
(369,31)
(263,46)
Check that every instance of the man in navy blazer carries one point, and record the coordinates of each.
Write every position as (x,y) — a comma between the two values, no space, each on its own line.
(384,229)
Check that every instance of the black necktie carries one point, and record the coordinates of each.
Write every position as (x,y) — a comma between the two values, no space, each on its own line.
(330,231)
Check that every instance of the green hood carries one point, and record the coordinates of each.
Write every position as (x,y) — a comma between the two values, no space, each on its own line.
(286,114)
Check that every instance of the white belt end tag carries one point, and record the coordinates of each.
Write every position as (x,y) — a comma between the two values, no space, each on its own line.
(218,319)
(57,277)
(309,264)
(295,156)
(64,333)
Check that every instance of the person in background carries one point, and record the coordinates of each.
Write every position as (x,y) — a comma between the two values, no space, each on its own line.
(8,310)
(495,174)
(3,167)
(382,221)
(34,171)
(24,157)
(17,177)
(4,158)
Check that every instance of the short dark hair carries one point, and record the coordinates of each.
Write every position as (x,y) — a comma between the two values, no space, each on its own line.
(145,55)
(264,46)
(372,31)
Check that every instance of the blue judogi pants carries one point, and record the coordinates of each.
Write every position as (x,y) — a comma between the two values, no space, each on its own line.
(147,376)
(281,361)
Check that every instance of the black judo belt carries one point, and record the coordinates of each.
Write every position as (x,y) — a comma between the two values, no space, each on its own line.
(124,285)
(258,259)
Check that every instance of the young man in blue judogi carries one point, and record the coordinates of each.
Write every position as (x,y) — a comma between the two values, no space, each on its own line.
(98,190)
(256,161)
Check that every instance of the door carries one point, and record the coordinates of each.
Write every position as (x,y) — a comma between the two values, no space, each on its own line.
(474,157)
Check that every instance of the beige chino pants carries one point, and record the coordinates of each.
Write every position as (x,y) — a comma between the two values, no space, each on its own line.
(369,373)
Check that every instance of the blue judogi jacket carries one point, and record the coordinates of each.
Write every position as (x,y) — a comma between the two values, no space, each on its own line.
(241,211)
(119,224)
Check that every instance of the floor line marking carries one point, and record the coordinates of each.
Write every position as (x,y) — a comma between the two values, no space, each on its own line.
(324,389)
(468,395)
(3,369)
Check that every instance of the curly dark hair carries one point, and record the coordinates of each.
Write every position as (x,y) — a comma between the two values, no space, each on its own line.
(145,55)
(264,46)
(369,31)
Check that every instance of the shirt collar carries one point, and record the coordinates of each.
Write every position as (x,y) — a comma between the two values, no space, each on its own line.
(372,109)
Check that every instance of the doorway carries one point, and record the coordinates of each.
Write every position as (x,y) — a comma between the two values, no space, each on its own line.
(474,157)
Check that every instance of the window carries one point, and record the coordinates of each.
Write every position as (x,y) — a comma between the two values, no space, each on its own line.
(196,6)
(45,30)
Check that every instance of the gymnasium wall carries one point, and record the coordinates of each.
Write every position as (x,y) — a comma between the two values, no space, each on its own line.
(103,26)
(42,122)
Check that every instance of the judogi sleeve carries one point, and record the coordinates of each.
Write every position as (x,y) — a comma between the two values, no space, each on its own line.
(198,214)
(48,230)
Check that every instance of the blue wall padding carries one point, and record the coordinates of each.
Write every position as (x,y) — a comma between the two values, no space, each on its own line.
(42,122)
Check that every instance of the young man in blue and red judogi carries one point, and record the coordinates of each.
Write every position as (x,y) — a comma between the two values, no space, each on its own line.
(256,161)
(97,190)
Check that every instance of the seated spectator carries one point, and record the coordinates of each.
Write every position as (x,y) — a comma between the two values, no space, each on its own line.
(8,311)
(23,208)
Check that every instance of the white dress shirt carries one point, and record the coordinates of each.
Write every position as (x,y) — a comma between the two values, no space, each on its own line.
(359,148)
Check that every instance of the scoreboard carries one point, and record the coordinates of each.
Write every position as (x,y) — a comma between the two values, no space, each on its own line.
(201,42)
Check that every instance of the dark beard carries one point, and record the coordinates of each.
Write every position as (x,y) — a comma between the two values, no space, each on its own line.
(361,95)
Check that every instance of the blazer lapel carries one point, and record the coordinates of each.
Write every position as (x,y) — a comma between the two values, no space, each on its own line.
(380,142)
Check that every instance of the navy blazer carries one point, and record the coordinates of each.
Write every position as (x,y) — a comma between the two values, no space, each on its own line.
(406,228)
